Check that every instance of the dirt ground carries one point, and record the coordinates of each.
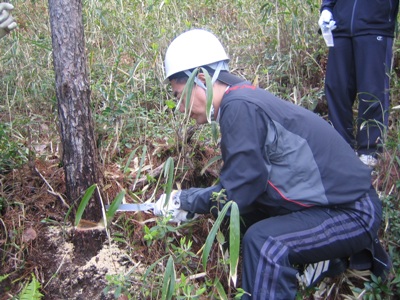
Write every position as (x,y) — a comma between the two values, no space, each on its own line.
(36,240)
(36,237)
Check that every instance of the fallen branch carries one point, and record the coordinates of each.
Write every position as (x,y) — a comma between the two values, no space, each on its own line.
(51,191)
(153,173)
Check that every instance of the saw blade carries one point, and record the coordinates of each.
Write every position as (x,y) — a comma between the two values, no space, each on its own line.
(134,207)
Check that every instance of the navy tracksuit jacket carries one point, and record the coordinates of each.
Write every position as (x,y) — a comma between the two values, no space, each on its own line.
(359,67)
(298,184)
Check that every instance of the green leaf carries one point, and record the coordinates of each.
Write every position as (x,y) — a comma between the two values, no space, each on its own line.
(170,103)
(214,131)
(210,162)
(187,91)
(169,173)
(128,162)
(4,277)
(220,237)
(68,213)
(120,240)
(114,206)
(234,242)
(213,232)
(150,269)
(220,289)
(168,287)
(84,203)
(209,94)
(31,290)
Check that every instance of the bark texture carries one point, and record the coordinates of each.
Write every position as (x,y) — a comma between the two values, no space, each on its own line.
(73,97)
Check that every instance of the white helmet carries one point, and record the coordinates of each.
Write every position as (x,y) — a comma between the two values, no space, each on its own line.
(192,49)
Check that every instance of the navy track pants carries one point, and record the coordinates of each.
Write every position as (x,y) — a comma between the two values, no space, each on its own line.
(359,68)
(271,247)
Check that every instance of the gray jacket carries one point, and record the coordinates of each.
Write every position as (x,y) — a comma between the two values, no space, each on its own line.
(279,155)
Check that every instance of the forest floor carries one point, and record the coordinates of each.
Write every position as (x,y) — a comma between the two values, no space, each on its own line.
(38,240)
(36,237)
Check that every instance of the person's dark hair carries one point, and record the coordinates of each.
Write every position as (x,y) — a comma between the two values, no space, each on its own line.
(182,77)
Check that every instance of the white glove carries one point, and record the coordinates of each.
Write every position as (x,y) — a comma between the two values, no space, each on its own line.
(171,208)
(7,22)
(326,20)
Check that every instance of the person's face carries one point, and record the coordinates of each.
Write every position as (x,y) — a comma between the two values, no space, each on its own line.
(197,107)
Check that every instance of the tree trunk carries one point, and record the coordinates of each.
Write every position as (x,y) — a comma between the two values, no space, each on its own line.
(73,97)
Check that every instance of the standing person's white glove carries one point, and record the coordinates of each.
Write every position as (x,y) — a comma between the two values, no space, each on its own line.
(172,208)
(7,22)
(326,20)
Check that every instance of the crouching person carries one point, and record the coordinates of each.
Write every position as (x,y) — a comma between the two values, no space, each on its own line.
(303,193)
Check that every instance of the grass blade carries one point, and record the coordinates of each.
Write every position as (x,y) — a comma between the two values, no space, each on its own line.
(142,160)
(84,202)
(213,233)
(128,162)
(209,94)
(210,162)
(188,91)
(114,206)
(168,287)
(169,173)
(234,242)
(220,289)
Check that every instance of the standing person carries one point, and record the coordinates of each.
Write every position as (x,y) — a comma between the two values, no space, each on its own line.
(7,22)
(359,67)
(281,167)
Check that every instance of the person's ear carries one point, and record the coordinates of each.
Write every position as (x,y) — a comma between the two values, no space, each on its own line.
(202,78)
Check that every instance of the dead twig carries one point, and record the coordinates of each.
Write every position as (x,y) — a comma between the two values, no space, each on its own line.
(153,173)
(51,191)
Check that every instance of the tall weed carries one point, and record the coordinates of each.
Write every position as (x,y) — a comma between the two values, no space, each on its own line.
(273,44)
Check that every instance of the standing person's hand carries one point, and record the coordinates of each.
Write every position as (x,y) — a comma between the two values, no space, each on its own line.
(7,22)
(326,20)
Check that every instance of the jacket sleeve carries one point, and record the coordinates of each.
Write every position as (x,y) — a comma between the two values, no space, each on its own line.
(328,4)
(244,174)
(198,200)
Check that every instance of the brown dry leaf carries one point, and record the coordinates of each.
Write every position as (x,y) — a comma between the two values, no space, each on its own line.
(29,235)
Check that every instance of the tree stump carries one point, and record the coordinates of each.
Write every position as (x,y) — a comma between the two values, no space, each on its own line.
(88,239)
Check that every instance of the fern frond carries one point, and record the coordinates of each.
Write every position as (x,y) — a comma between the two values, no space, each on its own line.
(31,290)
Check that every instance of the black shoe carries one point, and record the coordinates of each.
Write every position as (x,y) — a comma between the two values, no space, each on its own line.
(381,264)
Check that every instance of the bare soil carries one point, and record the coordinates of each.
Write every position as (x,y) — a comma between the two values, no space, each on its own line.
(36,239)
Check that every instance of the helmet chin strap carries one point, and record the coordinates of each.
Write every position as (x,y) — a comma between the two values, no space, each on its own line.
(218,68)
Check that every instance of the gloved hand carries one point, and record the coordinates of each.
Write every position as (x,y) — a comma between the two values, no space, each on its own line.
(326,20)
(7,22)
(172,208)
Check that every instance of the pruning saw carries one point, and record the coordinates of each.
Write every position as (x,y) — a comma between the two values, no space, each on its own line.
(134,207)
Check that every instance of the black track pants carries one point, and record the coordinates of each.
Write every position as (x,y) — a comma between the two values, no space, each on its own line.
(271,246)
(359,68)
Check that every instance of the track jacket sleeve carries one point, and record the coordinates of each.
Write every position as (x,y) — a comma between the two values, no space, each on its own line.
(244,128)
(244,173)
(328,4)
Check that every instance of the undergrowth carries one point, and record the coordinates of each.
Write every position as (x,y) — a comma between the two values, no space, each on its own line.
(274,45)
